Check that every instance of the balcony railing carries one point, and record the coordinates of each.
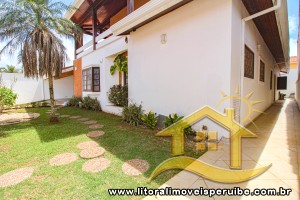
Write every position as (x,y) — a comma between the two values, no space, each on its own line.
(101,40)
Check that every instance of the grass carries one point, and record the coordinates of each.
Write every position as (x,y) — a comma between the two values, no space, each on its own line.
(34,143)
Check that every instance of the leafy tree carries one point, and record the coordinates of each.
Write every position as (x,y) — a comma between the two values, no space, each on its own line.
(120,64)
(7,97)
(34,27)
(10,69)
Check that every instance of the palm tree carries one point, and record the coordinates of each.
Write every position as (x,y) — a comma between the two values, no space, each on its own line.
(35,28)
(10,69)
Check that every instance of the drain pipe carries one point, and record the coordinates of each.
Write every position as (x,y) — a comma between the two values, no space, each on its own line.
(244,20)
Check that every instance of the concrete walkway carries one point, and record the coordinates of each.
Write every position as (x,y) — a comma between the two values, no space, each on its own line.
(278,143)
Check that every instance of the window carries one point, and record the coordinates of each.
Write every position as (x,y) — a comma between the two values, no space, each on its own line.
(249,63)
(262,67)
(91,79)
(271,81)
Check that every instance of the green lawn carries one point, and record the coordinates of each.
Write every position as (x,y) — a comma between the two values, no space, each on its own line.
(34,143)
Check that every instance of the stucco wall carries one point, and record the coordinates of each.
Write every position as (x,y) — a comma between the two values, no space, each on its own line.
(254,41)
(292,78)
(63,88)
(103,58)
(191,69)
(32,90)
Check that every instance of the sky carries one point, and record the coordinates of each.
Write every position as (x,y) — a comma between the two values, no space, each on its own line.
(293,7)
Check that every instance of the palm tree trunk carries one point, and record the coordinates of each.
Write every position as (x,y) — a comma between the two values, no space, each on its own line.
(53,117)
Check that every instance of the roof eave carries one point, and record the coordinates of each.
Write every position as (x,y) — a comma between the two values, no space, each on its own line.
(75,5)
(282,23)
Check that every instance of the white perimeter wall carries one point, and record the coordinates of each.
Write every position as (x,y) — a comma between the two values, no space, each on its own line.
(63,88)
(191,69)
(292,78)
(262,91)
(32,90)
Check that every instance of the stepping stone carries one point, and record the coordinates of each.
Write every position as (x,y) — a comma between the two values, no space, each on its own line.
(96,165)
(92,152)
(87,145)
(75,117)
(95,134)
(83,119)
(16,176)
(64,116)
(90,122)
(63,159)
(135,167)
(56,114)
(96,126)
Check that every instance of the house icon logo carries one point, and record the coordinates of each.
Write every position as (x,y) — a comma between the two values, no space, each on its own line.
(233,175)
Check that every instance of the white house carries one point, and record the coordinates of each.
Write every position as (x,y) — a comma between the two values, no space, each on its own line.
(183,54)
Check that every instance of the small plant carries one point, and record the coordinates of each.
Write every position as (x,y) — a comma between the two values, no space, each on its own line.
(118,95)
(7,97)
(120,64)
(171,119)
(132,114)
(91,104)
(189,131)
(74,101)
(150,119)
(34,104)
(45,104)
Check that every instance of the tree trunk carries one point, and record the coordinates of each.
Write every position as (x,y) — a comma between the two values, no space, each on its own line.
(53,117)
(1,109)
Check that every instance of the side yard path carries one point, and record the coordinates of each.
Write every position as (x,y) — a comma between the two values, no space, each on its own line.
(278,142)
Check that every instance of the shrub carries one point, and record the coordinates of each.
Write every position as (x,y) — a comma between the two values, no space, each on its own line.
(132,114)
(150,119)
(118,95)
(45,104)
(189,131)
(91,104)
(7,97)
(171,119)
(74,101)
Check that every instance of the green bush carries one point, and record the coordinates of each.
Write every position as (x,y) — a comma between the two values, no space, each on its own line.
(171,119)
(45,104)
(150,119)
(189,131)
(132,114)
(91,104)
(74,101)
(118,95)
(7,97)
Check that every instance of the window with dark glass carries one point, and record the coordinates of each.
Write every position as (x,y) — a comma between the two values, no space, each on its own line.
(91,79)
(262,67)
(249,63)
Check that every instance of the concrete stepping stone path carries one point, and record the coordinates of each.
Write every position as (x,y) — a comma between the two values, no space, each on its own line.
(83,119)
(75,117)
(135,167)
(96,126)
(95,134)
(16,176)
(96,165)
(63,116)
(87,145)
(92,152)
(63,159)
(90,122)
